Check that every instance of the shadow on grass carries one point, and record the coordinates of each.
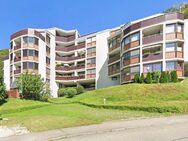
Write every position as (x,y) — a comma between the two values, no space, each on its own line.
(2,102)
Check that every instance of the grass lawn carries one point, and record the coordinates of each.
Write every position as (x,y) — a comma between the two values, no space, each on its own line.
(54,116)
(171,97)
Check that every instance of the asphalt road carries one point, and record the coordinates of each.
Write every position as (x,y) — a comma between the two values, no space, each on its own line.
(173,128)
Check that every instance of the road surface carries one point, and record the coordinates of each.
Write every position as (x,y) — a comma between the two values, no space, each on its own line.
(173,128)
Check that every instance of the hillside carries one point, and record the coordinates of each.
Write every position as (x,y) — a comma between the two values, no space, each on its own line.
(171,97)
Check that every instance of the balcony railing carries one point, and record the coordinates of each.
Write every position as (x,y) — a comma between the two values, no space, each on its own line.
(71,48)
(65,39)
(175,35)
(152,38)
(17,71)
(68,68)
(131,45)
(17,47)
(91,54)
(58,58)
(174,54)
(70,77)
(115,71)
(93,75)
(114,59)
(132,60)
(127,78)
(153,56)
(114,47)
(17,59)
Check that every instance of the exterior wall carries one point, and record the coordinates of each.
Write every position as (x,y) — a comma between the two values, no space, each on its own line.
(7,74)
(186,40)
(102,78)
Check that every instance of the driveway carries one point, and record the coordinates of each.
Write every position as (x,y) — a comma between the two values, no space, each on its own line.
(173,128)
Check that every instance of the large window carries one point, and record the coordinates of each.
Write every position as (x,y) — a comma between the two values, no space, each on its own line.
(30,65)
(132,54)
(152,67)
(92,39)
(33,40)
(176,27)
(173,47)
(29,52)
(91,61)
(91,71)
(91,50)
(131,38)
(171,65)
(47,60)
(114,42)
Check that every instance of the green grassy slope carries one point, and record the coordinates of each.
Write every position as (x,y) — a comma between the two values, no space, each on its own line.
(40,116)
(171,97)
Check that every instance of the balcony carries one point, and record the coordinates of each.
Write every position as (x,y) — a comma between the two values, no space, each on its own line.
(35,71)
(71,48)
(17,71)
(132,60)
(93,54)
(113,59)
(115,71)
(68,68)
(152,56)
(58,58)
(92,44)
(17,47)
(65,39)
(70,77)
(174,54)
(91,65)
(91,75)
(31,45)
(175,35)
(127,78)
(152,38)
(114,47)
(131,45)
(17,59)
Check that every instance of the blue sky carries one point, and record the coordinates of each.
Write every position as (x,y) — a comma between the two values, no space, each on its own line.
(85,15)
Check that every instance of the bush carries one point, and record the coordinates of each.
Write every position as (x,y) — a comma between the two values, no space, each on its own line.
(62,92)
(141,80)
(136,78)
(71,92)
(148,79)
(164,77)
(3,94)
(174,76)
(80,89)
(155,76)
(168,76)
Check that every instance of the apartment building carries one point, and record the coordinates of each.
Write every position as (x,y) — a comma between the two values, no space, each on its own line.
(156,43)
(62,58)
(102,59)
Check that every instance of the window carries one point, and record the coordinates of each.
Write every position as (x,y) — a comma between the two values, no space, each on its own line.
(170,47)
(170,28)
(179,27)
(48,38)
(135,69)
(24,65)
(114,78)
(135,53)
(135,37)
(91,71)
(171,65)
(27,40)
(47,49)
(31,53)
(30,65)
(127,40)
(152,67)
(11,45)
(47,60)
(24,52)
(91,50)
(91,61)
(92,39)
(47,71)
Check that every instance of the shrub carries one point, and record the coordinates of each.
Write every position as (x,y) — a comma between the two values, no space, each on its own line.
(155,76)
(62,92)
(169,76)
(141,80)
(174,76)
(71,92)
(3,94)
(80,89)
(164,77)
(148,79)
(136,78)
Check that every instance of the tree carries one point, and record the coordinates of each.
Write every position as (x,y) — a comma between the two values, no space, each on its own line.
(136,78)
(174,76)
(148,79)
(156,76)
(31,86)
(164,77)
(141,80)
(79,89)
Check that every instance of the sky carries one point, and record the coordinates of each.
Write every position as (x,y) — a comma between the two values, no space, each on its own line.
(84,15)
